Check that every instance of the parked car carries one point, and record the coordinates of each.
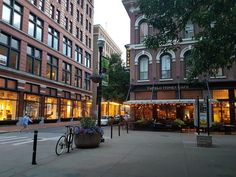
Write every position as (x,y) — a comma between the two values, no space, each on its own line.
(104,120)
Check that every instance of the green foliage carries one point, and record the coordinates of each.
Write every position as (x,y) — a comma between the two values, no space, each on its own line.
(179,122)
(118,84)
(216,41)
(87,122)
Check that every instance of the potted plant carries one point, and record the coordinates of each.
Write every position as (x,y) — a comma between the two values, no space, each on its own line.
(96,78)
(87,135)
(179,123)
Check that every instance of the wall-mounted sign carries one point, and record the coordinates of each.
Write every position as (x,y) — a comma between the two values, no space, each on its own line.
(3,60)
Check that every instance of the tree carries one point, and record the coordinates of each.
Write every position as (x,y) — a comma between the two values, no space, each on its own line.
(118,84)
(215,43)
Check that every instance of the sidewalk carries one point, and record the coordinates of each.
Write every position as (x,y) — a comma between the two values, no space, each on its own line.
(16,128)
(138,154)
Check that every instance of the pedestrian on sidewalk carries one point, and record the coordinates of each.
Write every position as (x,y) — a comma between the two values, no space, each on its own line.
(25,121)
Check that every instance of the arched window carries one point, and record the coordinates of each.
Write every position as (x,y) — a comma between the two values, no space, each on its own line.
(165,66)
(187,57)
(143,31)
(143,68)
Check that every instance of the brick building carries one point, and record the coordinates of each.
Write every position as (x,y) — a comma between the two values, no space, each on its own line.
(45,58)
(158,79)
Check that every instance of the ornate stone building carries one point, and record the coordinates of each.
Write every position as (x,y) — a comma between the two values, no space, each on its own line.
(159,89)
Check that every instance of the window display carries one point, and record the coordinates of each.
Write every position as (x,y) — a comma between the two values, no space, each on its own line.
(8,105)
(50,109)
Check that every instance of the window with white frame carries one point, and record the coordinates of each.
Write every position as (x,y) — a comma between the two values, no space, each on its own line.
(165,66)
(189,30)
(143,68)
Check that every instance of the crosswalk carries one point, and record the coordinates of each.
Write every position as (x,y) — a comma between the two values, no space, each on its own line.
(20,140)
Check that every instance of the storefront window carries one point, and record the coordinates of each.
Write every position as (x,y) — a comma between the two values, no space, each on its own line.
(220,94)
(66,108)
(8,105)
(88,108)
(221,112)
(31,105)
(77,110)
(50,110)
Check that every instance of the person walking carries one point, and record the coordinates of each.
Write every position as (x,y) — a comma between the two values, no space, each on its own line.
(25,122)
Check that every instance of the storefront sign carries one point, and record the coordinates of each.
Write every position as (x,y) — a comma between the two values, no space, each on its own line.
(167,87)
(203,114)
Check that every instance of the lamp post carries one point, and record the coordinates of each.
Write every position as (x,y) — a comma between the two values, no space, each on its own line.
(100,43)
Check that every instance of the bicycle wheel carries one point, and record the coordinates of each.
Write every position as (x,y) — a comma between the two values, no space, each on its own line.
(61,145)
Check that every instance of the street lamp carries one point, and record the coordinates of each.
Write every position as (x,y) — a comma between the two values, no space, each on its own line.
(100,43)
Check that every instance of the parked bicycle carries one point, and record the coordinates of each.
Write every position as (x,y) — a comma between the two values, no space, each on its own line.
(65,141)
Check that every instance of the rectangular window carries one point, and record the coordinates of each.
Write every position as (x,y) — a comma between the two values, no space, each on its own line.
(51,11)
(53,38)
(70,27)
(90,43)
(35,27)
(86,25)
(34,2)
(78,78)
(12,13)
(90,12)
(71,9)
(78,54)
(82,4)
(41,5)
(87,60)
(9,51)
(86,40)
(66,73)
(77,32)
(77,16)
(189,30)
(87,9)
(67,5)
(81,19)
(81,36)
(67,47)
(33,61)
(217,72)
(66,23)
(58,16)
(220,94)
(87,81)
(52,68)
(90,27)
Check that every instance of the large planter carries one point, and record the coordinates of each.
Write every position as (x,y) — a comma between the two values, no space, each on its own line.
(87,140)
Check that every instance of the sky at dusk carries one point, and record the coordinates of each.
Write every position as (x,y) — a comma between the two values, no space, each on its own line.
(112,16)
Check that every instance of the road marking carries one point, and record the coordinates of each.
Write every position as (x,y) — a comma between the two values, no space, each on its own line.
(15,140)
